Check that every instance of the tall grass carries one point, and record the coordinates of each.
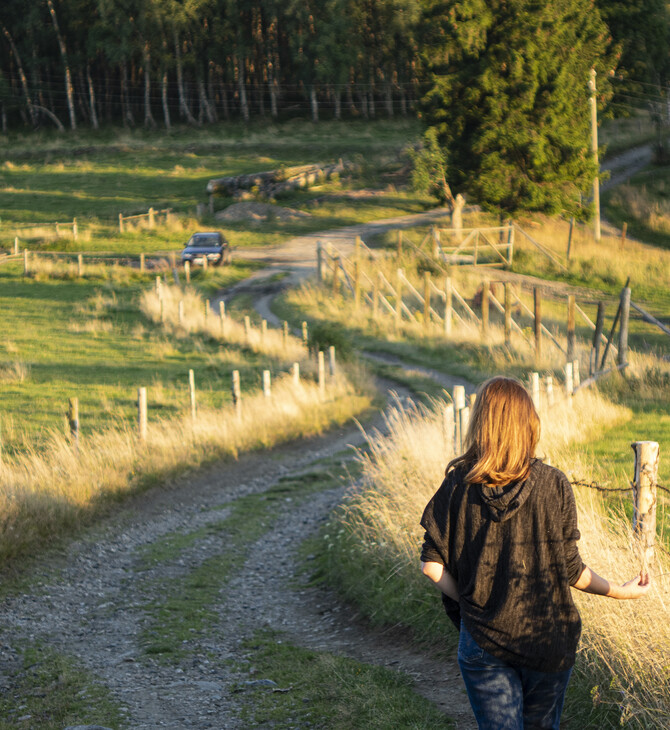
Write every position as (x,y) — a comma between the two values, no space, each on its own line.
(372,546)
(196,318)
(44,492)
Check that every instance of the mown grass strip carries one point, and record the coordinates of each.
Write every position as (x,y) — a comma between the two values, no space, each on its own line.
(188,605)
(324,690)
(51,691)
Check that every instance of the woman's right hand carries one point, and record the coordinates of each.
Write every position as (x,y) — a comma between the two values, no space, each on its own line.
(634,588)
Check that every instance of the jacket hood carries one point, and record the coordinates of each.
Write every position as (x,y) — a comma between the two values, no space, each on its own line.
(504,502)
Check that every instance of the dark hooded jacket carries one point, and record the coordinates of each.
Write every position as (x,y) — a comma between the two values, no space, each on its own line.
(513,553)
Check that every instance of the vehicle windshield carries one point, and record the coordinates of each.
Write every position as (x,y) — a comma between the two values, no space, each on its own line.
(205,240)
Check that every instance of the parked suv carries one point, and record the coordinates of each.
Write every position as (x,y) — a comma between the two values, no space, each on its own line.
(211,245)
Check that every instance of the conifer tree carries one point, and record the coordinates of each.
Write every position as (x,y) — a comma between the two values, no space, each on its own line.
(508,98)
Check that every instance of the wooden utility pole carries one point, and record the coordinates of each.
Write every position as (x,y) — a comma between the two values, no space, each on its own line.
(594,149)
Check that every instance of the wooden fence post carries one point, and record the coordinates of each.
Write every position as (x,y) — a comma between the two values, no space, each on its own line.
(537,319)
(222,317)
(376,287)
(622,356)
(16,245)
(508,314)
(458,397)
(624,230)
(26,267)
(464,418)
(80,265)
(267,387)
(571,328)
(175,276)
(485,309)
(426,299)
(120,222)
(448,429)
(319,262)
(152,218)
(73,419)
(191,393)
(295,373)
(322,373)
(75,229)
(357,284)
(572,225)
(187,271)
(549,386)
(535,390)
(141,263)
(305,335)
(398,299)
(204,264)
(142,413)
(569,382)
(237,394)
(331,361)
(597,337)
(448,307)
(159,285)
(644,498)
(336,278)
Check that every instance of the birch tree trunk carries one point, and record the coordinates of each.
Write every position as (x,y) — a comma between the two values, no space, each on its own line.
(126,111)
(338,103)
(91,98)
(148,116)
(68,75)
(204,101)
(22,76)
(164,98)
(183,106)
(244,104)
(314,104)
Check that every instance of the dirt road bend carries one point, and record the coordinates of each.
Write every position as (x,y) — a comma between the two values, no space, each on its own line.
(113,602)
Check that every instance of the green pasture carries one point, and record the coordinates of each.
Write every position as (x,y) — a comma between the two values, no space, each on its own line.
(94,177)
(87,338)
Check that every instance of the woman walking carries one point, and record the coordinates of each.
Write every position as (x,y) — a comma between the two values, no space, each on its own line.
(501,544)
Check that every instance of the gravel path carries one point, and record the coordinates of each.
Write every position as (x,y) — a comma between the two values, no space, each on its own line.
(94,607)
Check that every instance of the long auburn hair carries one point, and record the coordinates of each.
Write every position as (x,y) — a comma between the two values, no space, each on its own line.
(503,433)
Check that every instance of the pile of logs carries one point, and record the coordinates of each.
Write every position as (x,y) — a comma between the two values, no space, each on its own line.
(273,182)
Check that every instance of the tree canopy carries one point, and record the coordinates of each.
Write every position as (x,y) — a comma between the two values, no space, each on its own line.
(76,63)
(509,100)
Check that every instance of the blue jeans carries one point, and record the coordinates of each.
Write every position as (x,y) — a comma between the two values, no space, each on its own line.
(506,696)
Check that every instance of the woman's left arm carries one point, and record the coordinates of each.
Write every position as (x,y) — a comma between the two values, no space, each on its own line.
(441,578)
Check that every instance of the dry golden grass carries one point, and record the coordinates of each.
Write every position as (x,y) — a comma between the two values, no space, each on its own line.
(606,260)
(320,303)
(196,319)
(631,640)
(41,493)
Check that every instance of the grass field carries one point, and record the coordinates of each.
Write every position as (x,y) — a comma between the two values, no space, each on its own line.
(96,177)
